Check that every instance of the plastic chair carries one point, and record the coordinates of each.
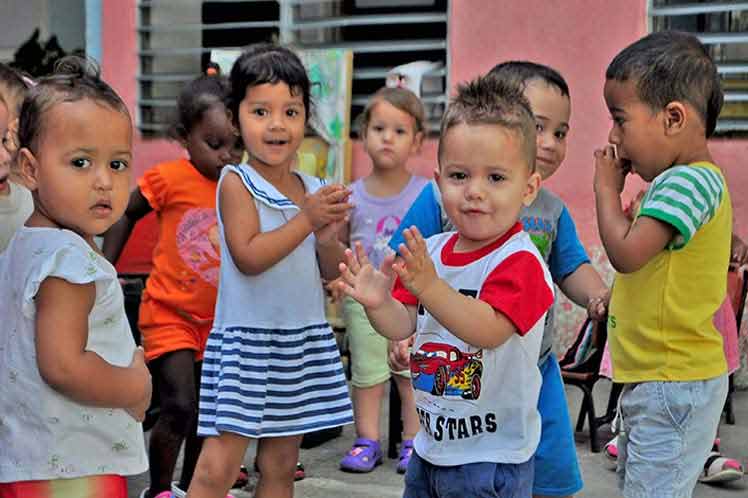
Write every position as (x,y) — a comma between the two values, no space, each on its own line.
(580,367)
(737,288)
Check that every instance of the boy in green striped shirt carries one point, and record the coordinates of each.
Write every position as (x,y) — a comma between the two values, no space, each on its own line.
(664,96)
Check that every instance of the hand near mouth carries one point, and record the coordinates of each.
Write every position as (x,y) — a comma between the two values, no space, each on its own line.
(610,171)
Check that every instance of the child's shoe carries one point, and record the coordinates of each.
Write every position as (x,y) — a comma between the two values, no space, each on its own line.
(718,468)
(611,453)
(176,492)
(162,494)
(362,457)
(406,451)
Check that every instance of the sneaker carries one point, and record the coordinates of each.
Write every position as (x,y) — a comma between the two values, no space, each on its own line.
(611,453)
(362,457)
(406,451)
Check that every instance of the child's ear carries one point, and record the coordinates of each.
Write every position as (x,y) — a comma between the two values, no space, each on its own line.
(29,168)
(531,189)
(675,116)
(438,177)
(417,143)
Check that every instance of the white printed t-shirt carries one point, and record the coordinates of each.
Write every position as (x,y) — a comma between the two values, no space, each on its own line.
(477,404)
(45,435)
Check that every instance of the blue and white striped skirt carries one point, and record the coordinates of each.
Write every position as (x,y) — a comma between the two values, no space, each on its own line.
(269,383)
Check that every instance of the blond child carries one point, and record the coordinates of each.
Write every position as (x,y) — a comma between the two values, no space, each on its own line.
(392,130)
(551,228)
(16,203)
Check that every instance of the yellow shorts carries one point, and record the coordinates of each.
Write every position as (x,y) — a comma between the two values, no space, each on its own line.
(369,365)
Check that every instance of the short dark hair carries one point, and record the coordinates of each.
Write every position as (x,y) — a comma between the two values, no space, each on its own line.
(194,99)
(671,66)
(73,79)
(522,72)
(400,98)
(268,63)
(492,101)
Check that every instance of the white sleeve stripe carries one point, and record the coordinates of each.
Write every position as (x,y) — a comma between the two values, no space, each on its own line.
(680,214)
(676,203)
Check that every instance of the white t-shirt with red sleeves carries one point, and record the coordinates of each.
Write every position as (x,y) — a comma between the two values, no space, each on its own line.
(477,404)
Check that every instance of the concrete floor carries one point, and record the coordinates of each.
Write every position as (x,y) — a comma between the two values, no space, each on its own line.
(324,480)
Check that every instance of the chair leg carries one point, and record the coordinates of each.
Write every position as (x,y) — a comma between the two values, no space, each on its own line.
(610,412)
(729,413)
(583,408)
(593,423)
(395,424)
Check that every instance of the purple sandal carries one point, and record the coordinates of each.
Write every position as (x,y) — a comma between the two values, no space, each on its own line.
(362,457)
(406,450)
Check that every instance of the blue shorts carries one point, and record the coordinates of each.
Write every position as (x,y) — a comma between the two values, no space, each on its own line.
(668,430)
(556,467)
(474,480)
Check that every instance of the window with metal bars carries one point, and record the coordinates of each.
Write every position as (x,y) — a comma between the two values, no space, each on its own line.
(176,38)
(723,27)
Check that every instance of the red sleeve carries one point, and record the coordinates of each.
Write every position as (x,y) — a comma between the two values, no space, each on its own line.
(154,187)
(402,294)
(517,288)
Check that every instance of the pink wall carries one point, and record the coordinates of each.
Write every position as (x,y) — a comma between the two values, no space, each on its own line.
(119,53)
(577,37)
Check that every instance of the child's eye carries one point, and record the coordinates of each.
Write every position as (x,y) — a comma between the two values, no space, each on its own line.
(292,113)
(215,145)
(539,127)
(457,175)
(378,128)
(80,163)
(260,112)
(495,177)
(561,135)
(617,120)
(118,165)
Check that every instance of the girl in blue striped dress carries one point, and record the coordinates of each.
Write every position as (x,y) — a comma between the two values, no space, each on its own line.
(271,370)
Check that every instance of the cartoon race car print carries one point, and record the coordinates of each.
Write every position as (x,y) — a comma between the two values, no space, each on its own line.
(444,370)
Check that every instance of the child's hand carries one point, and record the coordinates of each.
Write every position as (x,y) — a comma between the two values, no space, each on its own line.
(398,353)
(334,289)
(327,205)
(362,281)
(416,271)
(328,234)
(610,172)
(597,307)
(739,254)
(138,365)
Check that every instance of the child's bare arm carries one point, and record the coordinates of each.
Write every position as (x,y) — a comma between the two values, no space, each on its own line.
(330,249)
(116,237)
(739,251)
(472,320)
(584,285)
(253,251)
(629,246)
(61,335)
(371,287)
